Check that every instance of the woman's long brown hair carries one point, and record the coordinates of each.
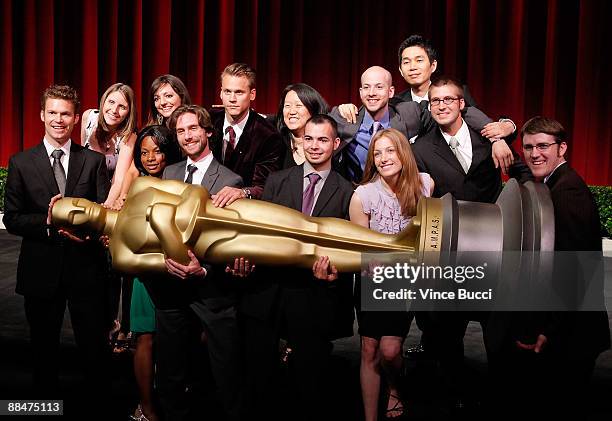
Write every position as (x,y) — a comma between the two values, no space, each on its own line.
(409,186)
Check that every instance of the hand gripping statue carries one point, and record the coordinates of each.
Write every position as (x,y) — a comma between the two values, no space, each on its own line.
(166,218)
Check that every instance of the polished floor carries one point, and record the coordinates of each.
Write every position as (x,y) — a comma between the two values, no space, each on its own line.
(421,383)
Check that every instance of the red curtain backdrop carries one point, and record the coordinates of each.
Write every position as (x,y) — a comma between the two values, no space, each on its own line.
(520,58)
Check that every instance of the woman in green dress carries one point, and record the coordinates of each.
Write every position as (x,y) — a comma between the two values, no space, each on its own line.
(155,148)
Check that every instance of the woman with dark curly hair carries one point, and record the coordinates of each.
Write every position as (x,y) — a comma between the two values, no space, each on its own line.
(155,148)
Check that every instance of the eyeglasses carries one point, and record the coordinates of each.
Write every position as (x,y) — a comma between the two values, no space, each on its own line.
(540,146)
(447,100)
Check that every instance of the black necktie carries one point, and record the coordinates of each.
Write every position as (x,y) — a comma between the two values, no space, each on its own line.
(58,170)
(190,170)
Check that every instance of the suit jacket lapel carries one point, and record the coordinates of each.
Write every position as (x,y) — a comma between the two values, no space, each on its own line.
(556,175)
(395,121)
(296,187)
(327,192)
(43,166)
(177,172)
(480,152)
(244,143)
(75,166)
(442,149)
(208,181)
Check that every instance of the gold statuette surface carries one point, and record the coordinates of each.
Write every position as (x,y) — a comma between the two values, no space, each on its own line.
(166,218)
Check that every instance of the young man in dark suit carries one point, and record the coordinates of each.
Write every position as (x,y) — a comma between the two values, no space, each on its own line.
(193,294)
(243,141)
(418,60)
(52,270)
(308,312)
(459,160)
(551,371)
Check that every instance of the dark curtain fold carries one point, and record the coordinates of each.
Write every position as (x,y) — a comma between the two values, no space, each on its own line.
(520,58)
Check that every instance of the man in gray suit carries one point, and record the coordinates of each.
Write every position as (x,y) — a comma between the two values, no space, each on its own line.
(193,293)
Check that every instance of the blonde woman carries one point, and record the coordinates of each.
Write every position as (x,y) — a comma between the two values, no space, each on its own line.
(111,130)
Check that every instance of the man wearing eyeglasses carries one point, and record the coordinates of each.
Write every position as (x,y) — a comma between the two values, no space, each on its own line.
(564,344)
(544,147)
(457,157)
(459,160)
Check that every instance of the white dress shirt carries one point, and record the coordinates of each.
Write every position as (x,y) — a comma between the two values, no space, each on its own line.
(202,166)
(464,141)
(64,160)
(417,98)
(238,129)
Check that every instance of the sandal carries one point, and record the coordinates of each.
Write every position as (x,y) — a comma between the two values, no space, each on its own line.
(398,408)
(123,345)
(120,346)
(140,416)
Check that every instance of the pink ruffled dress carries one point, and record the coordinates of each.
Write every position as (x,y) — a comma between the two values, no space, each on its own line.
(383,206)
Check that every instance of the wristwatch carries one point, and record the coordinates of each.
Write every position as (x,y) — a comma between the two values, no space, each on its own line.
(247,193)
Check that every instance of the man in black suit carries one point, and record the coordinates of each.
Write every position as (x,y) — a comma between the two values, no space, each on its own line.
(556,363)
(290,302)
(459,161)
(52,270)
(243,141)
(418,60)
(458,158)
(195,297)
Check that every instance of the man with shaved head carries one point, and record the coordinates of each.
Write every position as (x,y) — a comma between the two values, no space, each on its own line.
(375,91)
(410,118)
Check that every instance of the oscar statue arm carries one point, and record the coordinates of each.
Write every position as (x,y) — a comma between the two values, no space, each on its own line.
(170,237)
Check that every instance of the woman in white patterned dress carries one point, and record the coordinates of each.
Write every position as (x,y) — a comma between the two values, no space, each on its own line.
(385,202)
(111,130)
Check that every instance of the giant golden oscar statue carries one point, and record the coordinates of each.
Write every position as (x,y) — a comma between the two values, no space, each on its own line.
(165,218)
